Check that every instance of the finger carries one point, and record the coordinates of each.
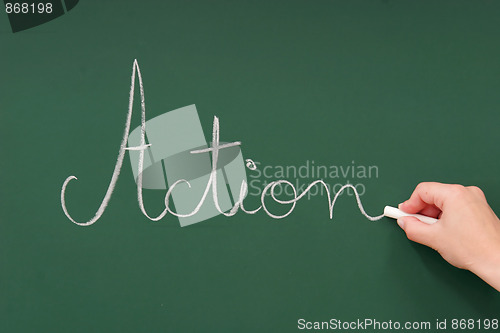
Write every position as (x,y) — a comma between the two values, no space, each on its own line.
(428,194)
(418,231)
(431,211)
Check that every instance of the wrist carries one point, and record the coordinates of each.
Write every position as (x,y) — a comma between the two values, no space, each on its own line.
(488,268)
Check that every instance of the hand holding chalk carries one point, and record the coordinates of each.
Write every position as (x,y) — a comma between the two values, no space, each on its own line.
(468,232)
(397,213)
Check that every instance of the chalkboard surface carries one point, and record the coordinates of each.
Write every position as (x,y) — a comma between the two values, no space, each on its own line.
(378,94)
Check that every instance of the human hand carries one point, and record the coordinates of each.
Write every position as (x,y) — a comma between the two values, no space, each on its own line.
(467,234)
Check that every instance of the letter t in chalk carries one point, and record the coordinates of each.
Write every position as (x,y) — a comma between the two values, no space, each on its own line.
(172,136)
(397,213)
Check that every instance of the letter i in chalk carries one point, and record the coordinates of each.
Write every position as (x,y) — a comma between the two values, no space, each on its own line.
(397,213)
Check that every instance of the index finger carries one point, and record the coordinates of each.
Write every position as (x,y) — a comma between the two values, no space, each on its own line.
(425,194)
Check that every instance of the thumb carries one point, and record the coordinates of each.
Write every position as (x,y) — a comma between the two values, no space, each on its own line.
(417,230)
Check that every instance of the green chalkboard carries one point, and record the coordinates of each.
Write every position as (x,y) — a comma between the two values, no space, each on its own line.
(379,94)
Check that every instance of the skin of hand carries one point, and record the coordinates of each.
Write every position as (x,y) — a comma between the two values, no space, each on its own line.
(467,234)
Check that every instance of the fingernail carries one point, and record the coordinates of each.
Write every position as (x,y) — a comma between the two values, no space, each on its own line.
(401,204)
(401,223)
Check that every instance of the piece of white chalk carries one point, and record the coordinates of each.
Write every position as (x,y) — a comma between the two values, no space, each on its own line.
(397,213)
